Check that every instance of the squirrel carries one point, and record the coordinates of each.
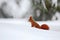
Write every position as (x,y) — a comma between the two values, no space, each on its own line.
(36,25)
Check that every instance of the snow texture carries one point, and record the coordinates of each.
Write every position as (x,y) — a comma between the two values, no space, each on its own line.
(14,29)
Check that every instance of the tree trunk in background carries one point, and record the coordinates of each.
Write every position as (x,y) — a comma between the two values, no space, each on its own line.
(58,2)
(58,5)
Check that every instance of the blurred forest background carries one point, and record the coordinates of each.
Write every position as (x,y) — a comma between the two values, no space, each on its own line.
(41,10)
(46,9)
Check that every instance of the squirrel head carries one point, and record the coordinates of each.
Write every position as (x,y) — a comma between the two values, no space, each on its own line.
(30,19)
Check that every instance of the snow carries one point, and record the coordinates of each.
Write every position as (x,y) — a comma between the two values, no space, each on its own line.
(20,29)
(11,8)
(54,2)
(57,15)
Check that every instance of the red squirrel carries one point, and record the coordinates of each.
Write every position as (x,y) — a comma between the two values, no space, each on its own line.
(36,25)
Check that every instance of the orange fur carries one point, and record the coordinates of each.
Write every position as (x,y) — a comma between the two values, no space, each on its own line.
(36,25)
(45,27)
(33,23)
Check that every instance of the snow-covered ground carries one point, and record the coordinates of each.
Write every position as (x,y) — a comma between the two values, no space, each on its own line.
(20,29)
